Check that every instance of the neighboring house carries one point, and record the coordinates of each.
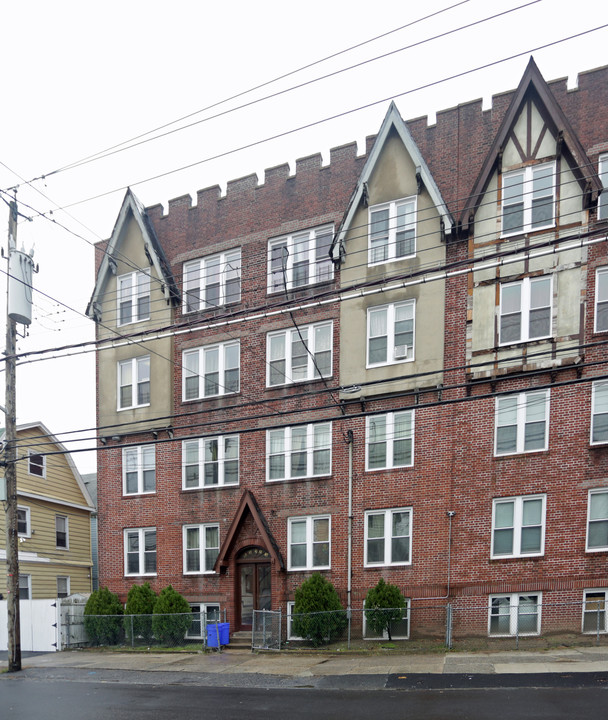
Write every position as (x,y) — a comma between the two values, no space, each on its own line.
(90,483)
(54,518)
(437,306)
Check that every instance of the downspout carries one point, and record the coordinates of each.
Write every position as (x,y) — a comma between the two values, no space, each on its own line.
(349,440)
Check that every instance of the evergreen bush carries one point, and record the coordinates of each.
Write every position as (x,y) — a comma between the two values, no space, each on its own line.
(140,601)
(318,614)
(172,617)
(384,605)
(102,618)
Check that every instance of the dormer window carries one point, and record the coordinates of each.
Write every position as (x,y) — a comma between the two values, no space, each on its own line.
(392,231)
(528,199)
(133,297)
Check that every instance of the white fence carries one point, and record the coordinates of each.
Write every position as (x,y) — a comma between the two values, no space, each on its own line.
(39,625)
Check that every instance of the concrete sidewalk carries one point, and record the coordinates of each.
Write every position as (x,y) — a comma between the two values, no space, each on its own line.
(322,665)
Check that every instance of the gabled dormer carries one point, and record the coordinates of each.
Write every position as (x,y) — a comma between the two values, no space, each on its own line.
(536,175)
(395,226)
(133,267)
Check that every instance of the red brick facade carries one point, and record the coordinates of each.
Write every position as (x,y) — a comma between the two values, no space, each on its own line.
(455,469)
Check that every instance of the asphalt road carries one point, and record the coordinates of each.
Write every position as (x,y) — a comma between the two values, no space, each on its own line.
(87,698)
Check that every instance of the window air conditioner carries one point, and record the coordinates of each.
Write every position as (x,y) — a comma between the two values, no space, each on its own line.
(400,352)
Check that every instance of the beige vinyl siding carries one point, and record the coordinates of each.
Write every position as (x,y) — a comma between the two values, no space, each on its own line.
(44,578)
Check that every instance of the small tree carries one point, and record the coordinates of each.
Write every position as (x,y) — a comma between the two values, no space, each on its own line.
(172,617)
(318,614)
(140,601)
(383,605)
(102,617)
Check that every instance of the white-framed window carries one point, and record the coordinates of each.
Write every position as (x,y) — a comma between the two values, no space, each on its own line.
(525,310)
(201,547)
(134,382)
(24,522)
(522,422)
(25,587)
(514,614)
(296,356)
(528,199)
(389,440)
(290,611)
(594,611)
(518,526)
(602,203)
(202,614)
(36,464)
(212,370)
(392,231)
(133,297)
(63,586)
(309,542)
(139,470)
(388,537)
(391,333)
(210,462)
(400,629)
(300,259)
(601,298)
(140,551)
(597,520)
(599,412)
(212,281)
(298,451)
(62,535)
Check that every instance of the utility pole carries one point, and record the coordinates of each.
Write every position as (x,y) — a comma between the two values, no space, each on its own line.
(10,470)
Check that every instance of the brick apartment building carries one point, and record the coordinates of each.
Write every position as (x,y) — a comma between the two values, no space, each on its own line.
(393,365)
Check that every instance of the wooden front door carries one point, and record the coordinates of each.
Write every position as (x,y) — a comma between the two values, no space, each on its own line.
(253,585)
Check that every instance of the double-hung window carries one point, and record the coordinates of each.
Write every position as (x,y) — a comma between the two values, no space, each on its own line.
(134,382)
(25,587)
(211,371)
(300,259)
(388,537)
(599,412)
(514,614)
(522,422)
(389,440)
(601,299)
(390,333)
(392,231)
(202,615)
(309,540)
(24,527)
(297,355)
(61,532)
(597,520)
(518,526)
(140,551)
(528,199)
(525,310)
(36,464)
(602,203)
(63,586)
(299,451)
(594,611)
(133,297)
(213,281)
(201,547)
(139,470)
(209,462)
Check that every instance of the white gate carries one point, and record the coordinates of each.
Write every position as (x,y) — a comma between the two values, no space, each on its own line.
(38,619)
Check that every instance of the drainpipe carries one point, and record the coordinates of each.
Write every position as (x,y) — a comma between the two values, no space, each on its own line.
(349,440)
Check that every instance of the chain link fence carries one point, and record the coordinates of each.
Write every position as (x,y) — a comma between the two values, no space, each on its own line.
(266,631)
(174,631)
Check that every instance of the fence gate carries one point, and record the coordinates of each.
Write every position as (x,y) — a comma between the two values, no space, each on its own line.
(266,630)
(38,620)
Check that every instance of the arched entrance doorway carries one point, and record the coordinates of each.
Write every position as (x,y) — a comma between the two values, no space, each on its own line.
(252,584)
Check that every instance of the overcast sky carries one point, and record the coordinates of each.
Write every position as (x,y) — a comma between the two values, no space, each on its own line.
(81,77)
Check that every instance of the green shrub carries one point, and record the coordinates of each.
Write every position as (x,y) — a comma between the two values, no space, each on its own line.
(102,618)
(318,614)
(172,617)
(383,605)
(140,601)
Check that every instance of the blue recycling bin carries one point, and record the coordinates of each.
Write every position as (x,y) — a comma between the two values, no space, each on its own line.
(215,629)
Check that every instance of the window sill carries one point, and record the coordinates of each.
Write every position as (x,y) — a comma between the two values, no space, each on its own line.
(310,570)
(523,453)
(388,364)
(234,486)
(308,478)
(391,261)
(515,558)
(133,407)
(390,469)
(141,494)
